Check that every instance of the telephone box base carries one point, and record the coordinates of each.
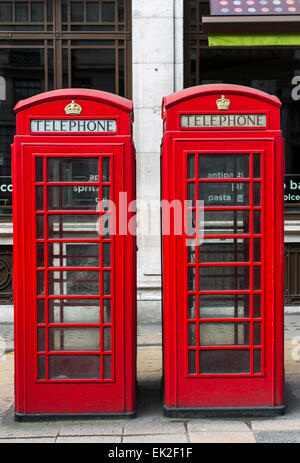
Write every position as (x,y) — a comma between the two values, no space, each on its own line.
(219,412)
(34,417)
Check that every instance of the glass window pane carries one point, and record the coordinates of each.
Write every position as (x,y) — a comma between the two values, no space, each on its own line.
(107,367)
(40,283)
(257,333)
(107,339)
(256,165)
(224,334)
(40,255)
(256,305)
(37,11)
(74,310)
(73,255)
(74,366)
(191,194)
(40,311)
(106,311)
(224,166)
(106,283)
(225,306)
(5,12)
(256,278)
(256,194)
(81,226)
(77,11)
(224,194)
(40,226)
(257,361)
(41,367)
(39,169)
(73,170)
(191,334)
(105,170)
(72,197)
(192,362)
(92,11)
(41,339)
(256,223)
(75,283)
(223,278)
(226,222)
(191,278)
(108,12)
(191,306)
(224,250)
(22,11)
(224,361)
(74,339)
(106,254)
(191,166)
(39,195)
(256,250)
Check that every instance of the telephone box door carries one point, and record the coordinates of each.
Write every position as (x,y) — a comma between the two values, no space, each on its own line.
(75,321)
(228,350)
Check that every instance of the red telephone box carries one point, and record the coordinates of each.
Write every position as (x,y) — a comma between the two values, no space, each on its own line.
(74,261)
(223,157)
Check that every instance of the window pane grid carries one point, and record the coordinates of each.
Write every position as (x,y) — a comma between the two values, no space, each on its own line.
(229,325)
(59,275)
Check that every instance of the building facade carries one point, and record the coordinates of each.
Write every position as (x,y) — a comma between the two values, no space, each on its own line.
(142,51)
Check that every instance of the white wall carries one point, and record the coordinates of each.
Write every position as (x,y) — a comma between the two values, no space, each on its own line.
(157,49)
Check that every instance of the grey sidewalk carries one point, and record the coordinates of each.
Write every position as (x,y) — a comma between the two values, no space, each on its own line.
(150,425)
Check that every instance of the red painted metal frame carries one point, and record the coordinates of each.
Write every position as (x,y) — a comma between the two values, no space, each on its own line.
(115,395)
(236,390)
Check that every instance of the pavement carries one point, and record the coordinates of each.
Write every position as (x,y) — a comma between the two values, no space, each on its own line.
(150,426)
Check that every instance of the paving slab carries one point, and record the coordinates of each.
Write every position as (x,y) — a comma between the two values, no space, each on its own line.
(89,439)
(278,437)
(157,438)
(153,426)
(276,424)
(214,437)
(88,429)
(217,425)
(30,440)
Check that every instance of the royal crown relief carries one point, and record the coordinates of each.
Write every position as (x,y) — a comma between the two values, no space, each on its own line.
(226,120)
(73,125)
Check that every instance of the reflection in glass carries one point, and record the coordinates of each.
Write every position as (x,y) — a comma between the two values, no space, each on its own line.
(72,197)
(108,12)
(224,361)
(74,339)
(256,165)
(191,334)
(224,334)
(191,278)
(106,254)
(224,194)
(191,252)
(72,169)
(256,223)
(223,278)
(106,311)
(73,255)
(39,169)
(256,305)
(74,282)
(192,362)
(40,226)
(256,193)
(40,283)
(224,166)
(39,195)
(41,367)
(106,366)
(226,222)
(224,306)
(74,310)
(106,283)
(224,250)
(191,306)
(257,361)
(191,166)
(74,366)
(40,311)
(73,226)
(107,338)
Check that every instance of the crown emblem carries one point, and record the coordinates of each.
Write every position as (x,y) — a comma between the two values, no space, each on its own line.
(223,103)
(73,108)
